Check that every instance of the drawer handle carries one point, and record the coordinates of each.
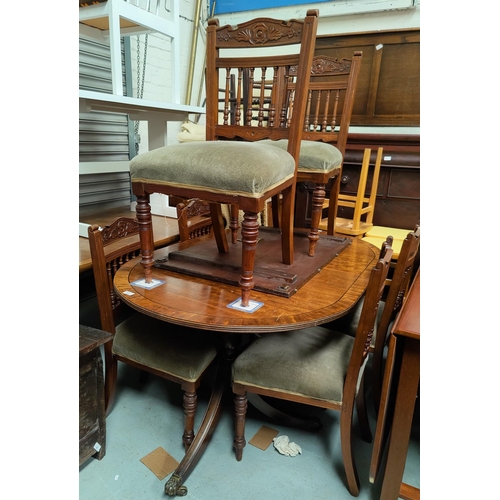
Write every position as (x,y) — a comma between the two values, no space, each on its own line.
(345,179)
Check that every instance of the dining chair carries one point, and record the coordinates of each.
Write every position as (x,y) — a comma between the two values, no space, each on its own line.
(330,102)
(193,218)
(175,353)
(231,166)
(315,366)
(389,306)
(362,205)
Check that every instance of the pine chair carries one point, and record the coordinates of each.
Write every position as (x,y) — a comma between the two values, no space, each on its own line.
(176,353)
(330,103)
(377,234)
(362,205)
(230,167)
(315,366)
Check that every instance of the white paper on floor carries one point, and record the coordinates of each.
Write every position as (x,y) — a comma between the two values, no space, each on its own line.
(283,445)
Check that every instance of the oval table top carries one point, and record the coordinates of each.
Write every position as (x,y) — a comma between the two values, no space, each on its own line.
(201,303)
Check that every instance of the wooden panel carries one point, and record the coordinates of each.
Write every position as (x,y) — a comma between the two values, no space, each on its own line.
(404,183)
(389,83)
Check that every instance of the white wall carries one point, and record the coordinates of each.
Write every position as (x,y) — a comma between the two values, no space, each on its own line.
(351,16)
(158,78)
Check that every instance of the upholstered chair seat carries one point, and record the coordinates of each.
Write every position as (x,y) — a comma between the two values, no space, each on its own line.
(294,362)
(317,157)
(229,167)
(147,341)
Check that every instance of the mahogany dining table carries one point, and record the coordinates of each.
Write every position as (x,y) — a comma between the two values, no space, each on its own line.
(202,303)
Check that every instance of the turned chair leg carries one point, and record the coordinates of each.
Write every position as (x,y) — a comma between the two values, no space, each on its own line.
(249,237)
(143,211)
(240,410)
(189,400)
(318,198)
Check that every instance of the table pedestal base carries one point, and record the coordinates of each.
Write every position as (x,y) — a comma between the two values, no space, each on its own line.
(174,484)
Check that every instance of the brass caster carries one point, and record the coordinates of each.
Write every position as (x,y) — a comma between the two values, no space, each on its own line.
(173,488)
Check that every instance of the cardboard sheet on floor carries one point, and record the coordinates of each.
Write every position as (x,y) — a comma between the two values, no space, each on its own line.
(160,463)
(263,437)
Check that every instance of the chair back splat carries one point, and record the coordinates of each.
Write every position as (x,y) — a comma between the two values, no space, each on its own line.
(179,354)
(314,366)
(231,166)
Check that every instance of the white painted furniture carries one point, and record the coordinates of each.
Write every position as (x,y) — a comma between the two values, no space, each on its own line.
(156,113)
(109,21)
(116,18)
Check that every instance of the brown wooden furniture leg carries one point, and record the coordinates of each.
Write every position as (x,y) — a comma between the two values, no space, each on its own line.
(143,211)
(218,227)
(318,199)
(234,223)
(407,492)
(174,485)
(409,376)
(249,236)
(333,205)
(240,411)
(286,225)
(384,413)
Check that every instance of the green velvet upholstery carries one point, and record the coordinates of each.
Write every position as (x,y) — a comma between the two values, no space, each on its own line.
(151,342)
(315,156)
(230,167)
(311,362)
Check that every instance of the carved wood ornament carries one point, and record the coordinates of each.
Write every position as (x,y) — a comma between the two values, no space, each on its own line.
(119,229)
(259,33)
